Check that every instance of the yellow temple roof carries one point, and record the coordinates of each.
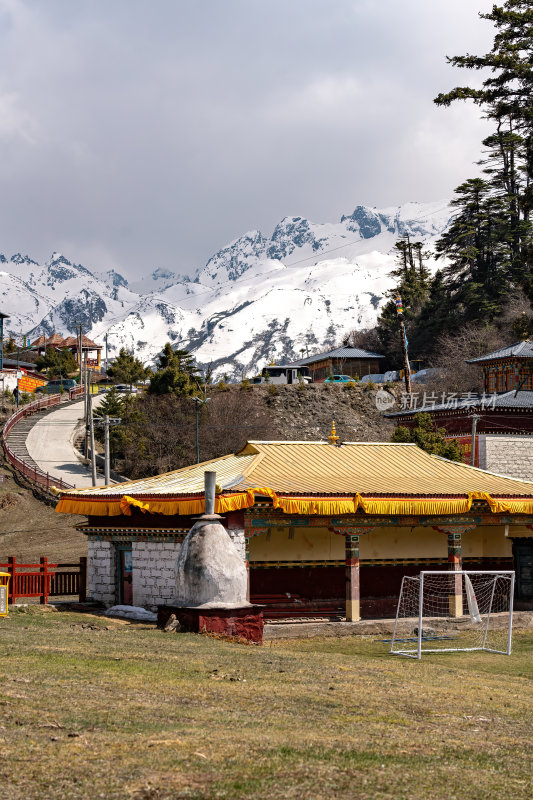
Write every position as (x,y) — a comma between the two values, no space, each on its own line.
(344,478)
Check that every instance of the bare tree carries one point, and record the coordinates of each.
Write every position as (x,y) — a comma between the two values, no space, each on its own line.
(366,339)
(454,348)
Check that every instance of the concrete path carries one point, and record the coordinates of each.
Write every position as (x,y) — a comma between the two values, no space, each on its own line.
(50,443)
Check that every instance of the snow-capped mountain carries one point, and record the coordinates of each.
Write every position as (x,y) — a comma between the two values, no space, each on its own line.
(258,298)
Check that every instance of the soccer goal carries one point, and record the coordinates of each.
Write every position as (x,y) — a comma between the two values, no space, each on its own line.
(448,611)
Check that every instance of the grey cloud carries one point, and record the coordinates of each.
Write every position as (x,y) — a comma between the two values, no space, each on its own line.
(137,134)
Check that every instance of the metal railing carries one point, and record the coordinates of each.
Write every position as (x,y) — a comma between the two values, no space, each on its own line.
(31,471)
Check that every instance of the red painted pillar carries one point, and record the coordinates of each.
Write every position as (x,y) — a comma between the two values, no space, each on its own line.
(247,564)
(353,604)
(44,578)
(455,564)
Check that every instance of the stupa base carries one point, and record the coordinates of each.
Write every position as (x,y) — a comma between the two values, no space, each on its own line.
(240,623)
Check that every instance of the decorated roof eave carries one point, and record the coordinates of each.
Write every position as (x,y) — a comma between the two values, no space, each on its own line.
(314,478)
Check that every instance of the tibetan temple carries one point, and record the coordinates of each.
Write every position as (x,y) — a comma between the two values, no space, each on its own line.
(504,413)
(326,528)
(507,368)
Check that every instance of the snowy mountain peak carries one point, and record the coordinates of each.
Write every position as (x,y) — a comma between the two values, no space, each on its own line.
(59,258)
(290,234)
(232,260)
(256,299)
(20,259)
(365,221)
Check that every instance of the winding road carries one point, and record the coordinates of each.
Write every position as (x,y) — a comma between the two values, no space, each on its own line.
(50,443)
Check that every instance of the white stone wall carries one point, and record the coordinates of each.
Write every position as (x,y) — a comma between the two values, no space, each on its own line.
(101,572)
(154,572)
(507,454)
(237,537)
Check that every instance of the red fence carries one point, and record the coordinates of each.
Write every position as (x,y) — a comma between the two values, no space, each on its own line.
(44,580)
(32,472)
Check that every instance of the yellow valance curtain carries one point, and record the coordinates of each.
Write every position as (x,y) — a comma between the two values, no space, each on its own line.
(325,506)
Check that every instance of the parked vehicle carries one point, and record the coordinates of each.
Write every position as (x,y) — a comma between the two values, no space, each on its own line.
(425,375)
(125,388)
(283,374)
(56,386)
(340,379)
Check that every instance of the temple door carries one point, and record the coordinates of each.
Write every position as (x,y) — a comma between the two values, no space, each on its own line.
(125,575)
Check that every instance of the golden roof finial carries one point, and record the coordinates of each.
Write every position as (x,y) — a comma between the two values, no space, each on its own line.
(333,438)
(272,363)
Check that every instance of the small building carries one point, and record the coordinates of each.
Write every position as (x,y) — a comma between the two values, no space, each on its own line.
(91,352)
(350,361)
(506,369)
(325,528)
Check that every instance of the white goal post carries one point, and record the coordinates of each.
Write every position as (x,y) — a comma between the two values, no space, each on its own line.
(447,611)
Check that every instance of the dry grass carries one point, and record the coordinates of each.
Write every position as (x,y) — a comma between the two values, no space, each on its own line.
(98,708)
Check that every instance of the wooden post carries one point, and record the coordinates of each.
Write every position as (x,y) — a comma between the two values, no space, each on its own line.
(455,564)
(11,568)
(83,579)
(44,578)
(353,606)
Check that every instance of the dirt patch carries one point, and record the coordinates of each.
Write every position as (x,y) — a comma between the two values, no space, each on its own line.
(7,500)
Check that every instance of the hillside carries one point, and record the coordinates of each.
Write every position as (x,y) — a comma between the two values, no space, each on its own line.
(306,415)
(29,528)
(261,296)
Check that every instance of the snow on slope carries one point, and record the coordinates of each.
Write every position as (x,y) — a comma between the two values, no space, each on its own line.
(257,298)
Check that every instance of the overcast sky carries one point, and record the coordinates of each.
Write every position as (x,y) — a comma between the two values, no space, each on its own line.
(148,133)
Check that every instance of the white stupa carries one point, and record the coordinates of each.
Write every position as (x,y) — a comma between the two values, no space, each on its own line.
(210,572)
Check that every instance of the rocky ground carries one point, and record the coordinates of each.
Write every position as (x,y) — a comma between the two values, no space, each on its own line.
(306,413)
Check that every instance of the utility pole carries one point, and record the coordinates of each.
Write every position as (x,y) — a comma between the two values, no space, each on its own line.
(80,359)
(475,419)
(407,367)
(87,411)
(18,390)
(199,402)
(107,422)
(93,452)
(107,460)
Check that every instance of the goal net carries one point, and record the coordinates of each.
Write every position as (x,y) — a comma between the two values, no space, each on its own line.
(448,611)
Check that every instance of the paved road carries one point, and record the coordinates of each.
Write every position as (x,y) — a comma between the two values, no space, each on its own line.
(50,444)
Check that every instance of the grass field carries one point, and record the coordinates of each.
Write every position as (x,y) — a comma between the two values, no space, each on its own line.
(97,708)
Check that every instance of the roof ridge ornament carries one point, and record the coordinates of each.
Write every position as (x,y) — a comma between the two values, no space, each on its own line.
(333,438)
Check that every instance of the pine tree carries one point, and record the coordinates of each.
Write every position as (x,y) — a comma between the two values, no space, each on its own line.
(428,438)
(479,272)
(506,98)
(128,369)
(412,283)
(176,374)
(57,362)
